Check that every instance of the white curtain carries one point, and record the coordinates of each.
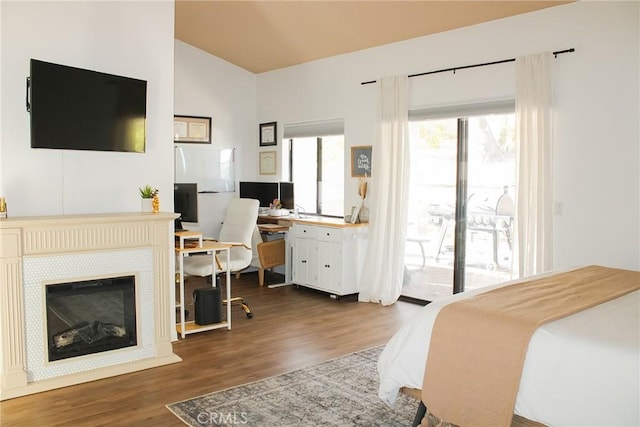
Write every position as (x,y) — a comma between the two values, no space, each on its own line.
(382,274)
(534,198)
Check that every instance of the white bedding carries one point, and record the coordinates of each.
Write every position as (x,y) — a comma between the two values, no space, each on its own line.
(583,370)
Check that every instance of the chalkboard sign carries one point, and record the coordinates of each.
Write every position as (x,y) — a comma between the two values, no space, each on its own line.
(211,168)
(361,160)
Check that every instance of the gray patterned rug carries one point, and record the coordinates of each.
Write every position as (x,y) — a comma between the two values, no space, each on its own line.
(339,392)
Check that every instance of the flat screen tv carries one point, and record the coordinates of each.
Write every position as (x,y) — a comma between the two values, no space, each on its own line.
(265,192)
(185,202)
(77,109)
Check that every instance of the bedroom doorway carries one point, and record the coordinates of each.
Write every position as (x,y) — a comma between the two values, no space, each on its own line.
(461,206)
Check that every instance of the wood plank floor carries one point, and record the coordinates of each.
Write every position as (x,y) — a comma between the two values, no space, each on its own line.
(292,328)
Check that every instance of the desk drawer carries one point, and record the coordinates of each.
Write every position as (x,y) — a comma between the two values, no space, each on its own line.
(329,234)
(305,231)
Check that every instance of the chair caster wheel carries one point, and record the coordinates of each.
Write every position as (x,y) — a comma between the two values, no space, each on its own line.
(249,315)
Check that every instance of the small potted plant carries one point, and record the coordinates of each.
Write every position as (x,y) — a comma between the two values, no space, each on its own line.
(275,208)
(148,193)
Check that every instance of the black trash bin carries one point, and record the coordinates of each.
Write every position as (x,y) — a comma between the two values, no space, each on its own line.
(208,304)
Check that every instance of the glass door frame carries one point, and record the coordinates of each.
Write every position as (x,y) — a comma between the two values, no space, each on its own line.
(460,215)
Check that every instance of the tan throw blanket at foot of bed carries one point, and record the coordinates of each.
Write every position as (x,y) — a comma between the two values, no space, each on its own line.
(478,345)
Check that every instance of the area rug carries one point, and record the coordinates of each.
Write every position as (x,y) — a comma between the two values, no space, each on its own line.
(338,392)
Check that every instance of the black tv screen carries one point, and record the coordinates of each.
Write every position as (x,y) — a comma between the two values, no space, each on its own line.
(265,192)
(77,109)
(185,201)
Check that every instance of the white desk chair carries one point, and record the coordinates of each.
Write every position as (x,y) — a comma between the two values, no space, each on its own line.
(239,223)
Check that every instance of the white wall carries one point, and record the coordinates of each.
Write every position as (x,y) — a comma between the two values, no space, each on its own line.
(133,39)
(597,151)
(596,99)
(209,86)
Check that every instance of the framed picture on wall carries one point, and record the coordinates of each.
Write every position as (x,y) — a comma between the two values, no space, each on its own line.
(268,134)
(361,161)
(267,163)
(192,129)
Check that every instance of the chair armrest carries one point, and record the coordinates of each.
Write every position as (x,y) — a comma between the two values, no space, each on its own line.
(233,244)
(238,244)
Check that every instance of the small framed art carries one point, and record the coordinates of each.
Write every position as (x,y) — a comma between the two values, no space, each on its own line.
(268,134)
(361,161)
(193,129)
(355,215)
(267,163)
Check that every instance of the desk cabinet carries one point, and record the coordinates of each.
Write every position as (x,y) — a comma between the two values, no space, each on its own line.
(327,258)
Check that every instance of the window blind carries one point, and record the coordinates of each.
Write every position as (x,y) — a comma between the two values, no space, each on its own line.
(464,110)
(314,129)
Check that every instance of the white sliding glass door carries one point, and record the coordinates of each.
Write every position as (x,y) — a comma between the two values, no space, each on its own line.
(461,204)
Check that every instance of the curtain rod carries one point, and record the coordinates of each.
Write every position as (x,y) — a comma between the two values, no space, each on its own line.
(454,69)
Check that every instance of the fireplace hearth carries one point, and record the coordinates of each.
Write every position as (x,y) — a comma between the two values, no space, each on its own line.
(90,316)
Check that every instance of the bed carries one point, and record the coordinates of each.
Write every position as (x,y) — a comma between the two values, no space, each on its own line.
(580,370)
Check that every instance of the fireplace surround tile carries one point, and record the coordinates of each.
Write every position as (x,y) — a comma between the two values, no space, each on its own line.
(40,271)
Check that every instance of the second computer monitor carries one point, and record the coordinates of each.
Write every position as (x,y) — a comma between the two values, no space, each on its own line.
(185,201)
(286,195)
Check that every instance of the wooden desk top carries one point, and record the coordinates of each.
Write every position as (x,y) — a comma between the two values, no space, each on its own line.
(188,233)
(326,222)
(207,245)
(286,221)
(272,228)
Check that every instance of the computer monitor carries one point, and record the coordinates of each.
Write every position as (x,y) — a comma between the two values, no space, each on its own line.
(185,201)
(265,192)
(286,195)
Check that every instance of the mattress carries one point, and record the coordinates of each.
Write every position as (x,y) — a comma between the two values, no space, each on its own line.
(580,370)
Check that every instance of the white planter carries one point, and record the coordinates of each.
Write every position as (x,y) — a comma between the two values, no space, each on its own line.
(146,205)
(278,212)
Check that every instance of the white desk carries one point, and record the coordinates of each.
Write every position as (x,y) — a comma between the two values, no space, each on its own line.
(327,254)
(210,248)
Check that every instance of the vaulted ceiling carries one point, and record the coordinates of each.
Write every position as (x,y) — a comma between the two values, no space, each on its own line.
(266,35)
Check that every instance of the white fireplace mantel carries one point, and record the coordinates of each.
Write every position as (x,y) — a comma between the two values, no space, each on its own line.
(29,237)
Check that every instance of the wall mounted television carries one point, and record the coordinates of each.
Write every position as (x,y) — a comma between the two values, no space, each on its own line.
(76,109)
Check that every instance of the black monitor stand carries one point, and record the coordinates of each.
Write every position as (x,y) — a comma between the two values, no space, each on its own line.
(178,225)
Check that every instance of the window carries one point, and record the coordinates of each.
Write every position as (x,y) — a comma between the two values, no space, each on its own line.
(316,166)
